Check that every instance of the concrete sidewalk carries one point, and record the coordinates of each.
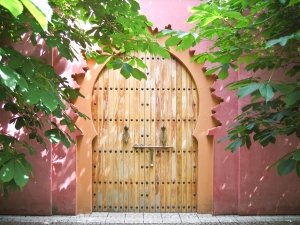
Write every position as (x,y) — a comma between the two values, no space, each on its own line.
(148,218)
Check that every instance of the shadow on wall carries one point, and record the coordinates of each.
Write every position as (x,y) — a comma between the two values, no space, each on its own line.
(36,196)
(263,191)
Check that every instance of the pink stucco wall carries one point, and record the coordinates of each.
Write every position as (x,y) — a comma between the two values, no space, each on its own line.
(36,197)
(38,191)
(241,185)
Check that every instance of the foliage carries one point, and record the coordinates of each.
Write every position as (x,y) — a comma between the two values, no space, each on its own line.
(30,89)
(258,35)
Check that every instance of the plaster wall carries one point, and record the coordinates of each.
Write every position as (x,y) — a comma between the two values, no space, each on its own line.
(36,197)
(241,184)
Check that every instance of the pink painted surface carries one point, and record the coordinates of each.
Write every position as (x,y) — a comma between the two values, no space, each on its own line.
(225,180)
(63,159)
(241,183)
(264,192)
(36,197)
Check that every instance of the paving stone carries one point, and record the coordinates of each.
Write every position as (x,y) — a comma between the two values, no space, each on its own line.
(149,218)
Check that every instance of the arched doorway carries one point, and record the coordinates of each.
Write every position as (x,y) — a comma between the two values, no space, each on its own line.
(204,167)
(145,156)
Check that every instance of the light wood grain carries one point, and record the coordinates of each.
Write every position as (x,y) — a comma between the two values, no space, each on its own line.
(124,179)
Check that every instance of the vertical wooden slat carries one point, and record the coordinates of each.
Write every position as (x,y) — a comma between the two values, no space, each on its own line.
(123,179)
(141,140)
(128,157)
(105,141)
(195,148)
(120,145)
(188,140)
(149,170)
(95,148)
(184,141)
(171,131)
(100,108)
(174,135)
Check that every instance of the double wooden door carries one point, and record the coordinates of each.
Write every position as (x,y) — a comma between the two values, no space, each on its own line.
(144,157)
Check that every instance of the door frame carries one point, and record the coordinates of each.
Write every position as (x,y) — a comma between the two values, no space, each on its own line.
(200,133)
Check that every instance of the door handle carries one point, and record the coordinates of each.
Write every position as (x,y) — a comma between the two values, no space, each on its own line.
(151,149)
(126,135)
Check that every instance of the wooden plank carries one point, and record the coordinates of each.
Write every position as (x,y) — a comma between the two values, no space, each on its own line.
(149,126)
(95,158)
(141,139)
(158,73)
(134,132)
(153,139)
(128,180)
(177,185)
(178,96)
(195,147)
(188,139)
(119,89)
(105,160)
(100,142)
(171,131)
(184,144)
(111,141)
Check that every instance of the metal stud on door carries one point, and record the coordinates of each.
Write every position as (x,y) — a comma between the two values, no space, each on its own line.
(144,157)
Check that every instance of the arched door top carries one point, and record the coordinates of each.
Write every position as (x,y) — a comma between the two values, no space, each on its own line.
(204,123)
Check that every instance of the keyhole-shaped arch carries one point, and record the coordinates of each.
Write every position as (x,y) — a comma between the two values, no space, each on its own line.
(203,124)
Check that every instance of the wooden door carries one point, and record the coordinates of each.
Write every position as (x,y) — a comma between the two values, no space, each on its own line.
(144,157)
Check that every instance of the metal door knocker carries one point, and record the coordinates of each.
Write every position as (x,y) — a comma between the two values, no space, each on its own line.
(126,135)
(163,136)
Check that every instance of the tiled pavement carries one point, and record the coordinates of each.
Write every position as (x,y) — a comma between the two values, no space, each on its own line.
(149,218)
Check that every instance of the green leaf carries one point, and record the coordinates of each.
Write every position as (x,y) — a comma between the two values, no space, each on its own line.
(14,6)
(21,175)
(283,40)
(11,78)
(234,14)
(32,96)
(19,123)
(48,99)
(174,40)
(241,83)
(163,52)
(248,89)
(55,136)
(285,166)
(296,155)
(140,63)
(117,64)
(187,42)
(211,71)
(266,91)
(223,74)
(194,18)
(233,146)
(101,58)
(298,169)
(126,70)
(40,10)
(207,20)
(136,73)
(5,155)
(292,98)
(282,1)
(7,171)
